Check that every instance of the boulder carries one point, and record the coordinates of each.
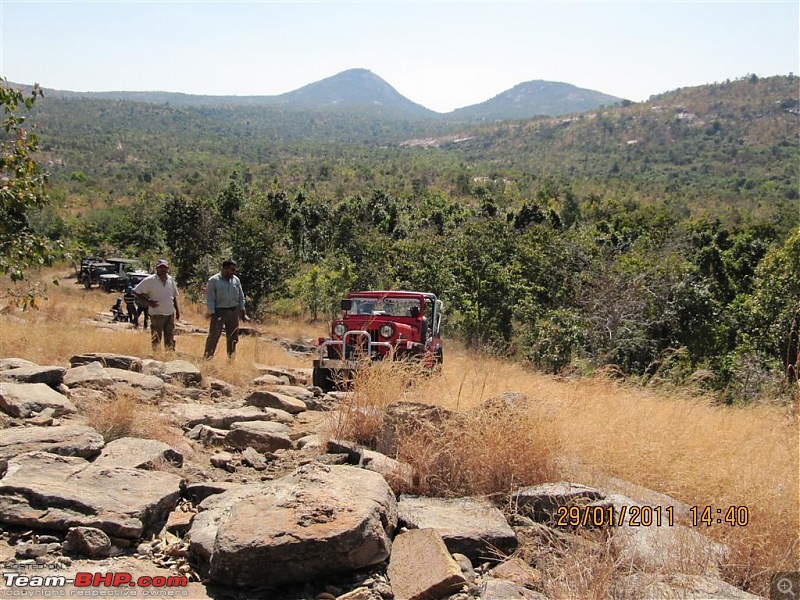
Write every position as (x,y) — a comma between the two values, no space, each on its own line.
(262,436)
(318,521)
(87,541)
(25,399)
(421,567)
(136,380)
(49,375)
(107,359)
(89,375)
(15,363)
(136,453)
(541,502)
(191,415)
(68,440)
(501,589)
(266,399)
(47,491)
(214,510)
(403,418)
(469,526)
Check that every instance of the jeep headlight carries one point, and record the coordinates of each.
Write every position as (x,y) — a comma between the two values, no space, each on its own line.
(386,330)
(339,329)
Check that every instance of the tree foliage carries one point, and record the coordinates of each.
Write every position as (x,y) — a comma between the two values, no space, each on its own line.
(660,238)
(22,187)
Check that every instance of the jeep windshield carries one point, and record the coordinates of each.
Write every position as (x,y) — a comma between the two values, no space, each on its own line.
(393,307)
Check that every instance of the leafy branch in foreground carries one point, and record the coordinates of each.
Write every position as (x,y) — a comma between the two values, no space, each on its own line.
(22,187)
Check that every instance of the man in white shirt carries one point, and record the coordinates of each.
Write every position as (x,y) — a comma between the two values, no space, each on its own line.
(161,295)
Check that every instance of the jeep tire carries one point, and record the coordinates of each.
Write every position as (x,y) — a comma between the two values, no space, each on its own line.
(322,378)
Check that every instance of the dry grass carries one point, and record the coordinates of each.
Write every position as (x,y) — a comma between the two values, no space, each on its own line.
(126,416)
(61,328)
(696,452)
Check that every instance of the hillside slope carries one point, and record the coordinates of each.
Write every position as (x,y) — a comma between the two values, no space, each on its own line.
(536,98)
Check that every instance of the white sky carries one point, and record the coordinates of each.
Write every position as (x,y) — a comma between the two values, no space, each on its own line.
(443,55)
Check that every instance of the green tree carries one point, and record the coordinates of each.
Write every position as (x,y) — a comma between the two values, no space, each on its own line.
(321,286)
(22,188)
(192,230)
(259,247)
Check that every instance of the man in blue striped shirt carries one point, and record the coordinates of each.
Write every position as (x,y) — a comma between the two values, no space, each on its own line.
(225,303)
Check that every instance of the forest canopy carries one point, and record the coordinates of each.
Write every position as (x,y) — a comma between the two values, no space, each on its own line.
(659,239)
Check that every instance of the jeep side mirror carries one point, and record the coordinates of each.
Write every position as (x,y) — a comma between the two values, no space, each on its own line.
(347,304)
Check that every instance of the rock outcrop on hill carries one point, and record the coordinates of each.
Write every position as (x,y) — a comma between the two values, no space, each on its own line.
(250,498)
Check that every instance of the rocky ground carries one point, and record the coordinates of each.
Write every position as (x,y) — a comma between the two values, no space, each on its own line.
(252,499)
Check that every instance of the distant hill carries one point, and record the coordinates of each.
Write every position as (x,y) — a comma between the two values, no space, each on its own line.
(352,88)
(735,141)
(728,144)
(360,88)
(534,99)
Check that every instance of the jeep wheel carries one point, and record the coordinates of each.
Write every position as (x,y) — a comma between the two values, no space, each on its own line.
(322,378)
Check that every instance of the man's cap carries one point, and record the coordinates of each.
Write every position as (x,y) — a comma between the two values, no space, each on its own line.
(229,263)
(162,263)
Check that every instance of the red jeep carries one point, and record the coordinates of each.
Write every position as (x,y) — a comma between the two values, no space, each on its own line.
(378,325)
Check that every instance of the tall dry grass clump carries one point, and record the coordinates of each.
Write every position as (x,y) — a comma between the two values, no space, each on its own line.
(482,452)
(370,390)
(126,416)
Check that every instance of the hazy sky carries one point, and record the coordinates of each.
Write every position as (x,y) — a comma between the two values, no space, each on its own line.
(442,55)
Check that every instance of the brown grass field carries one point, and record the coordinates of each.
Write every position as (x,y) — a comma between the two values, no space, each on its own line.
(587,430)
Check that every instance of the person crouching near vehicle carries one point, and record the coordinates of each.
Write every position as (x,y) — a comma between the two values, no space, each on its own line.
(160,293)
(130,305)
(225,303)
(116,311)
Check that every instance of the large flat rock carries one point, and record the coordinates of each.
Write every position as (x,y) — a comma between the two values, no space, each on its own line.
(191,415)
(89,375)
(469,526)
(107,359)
(67,440)
(262,436)
(47,491)
(50,375)
(137,453)
(26,399)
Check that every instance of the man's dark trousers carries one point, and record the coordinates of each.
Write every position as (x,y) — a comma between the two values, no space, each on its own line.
(229,319)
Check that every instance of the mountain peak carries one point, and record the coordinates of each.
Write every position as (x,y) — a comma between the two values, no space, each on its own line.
(354,87)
